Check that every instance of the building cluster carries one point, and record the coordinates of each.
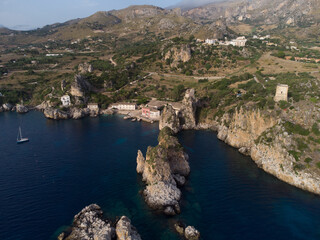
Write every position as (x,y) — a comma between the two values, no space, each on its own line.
(238,42)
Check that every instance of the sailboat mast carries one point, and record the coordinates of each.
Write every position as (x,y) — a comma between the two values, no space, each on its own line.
(20,132)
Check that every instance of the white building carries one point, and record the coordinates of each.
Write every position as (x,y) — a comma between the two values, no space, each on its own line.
(53,54)
(239,42)
(154,114)
(211,41)
(124,106)
(93,106)
(66,102)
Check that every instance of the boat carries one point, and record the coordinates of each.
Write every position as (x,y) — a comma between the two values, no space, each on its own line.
(20,139)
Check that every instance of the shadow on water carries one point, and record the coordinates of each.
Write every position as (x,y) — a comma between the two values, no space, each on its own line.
(70,164)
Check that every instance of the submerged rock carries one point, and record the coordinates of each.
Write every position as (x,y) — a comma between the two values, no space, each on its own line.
(125,231)
(191,233)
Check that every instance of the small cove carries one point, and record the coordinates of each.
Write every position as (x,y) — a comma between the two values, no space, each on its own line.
(70,164)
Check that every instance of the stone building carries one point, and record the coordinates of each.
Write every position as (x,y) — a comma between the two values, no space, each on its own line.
(150,113)
(281,93)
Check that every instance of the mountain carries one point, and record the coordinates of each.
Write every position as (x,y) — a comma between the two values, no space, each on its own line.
(289,12)
(132,23)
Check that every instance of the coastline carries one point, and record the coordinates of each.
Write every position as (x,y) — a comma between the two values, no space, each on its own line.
(272,159)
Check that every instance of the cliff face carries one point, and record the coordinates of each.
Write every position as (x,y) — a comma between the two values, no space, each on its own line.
(177,55)
(79,88)
(164,168)
(263,136)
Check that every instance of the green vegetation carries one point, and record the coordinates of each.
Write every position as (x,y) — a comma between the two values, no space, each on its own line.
(296,129)
(295,154)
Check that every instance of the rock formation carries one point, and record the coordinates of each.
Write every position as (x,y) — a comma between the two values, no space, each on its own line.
(262,136)
(84,68)
(164,168)
(78,113)
(177,55)
(7,107)
(55,114)
(90,224)
(169,119)
(125,231)
(190,233)
(79,88)
(185,118)
(21,109)
(188,111)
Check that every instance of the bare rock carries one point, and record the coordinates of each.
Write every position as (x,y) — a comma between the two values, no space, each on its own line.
(177,55)
(80,86)
(125,231)
(55,114)
(21,109)
(89,224)
(169,119)
(188,112)
(7,107)
(180,180)
(44,105)
(162,195)
(191,233)
(140,162)
(78,113)
(84,68)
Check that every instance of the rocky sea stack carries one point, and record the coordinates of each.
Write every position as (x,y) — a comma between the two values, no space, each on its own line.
(90,224)
(165,168)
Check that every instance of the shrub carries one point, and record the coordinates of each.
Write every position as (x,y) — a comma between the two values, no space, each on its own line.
(295,154)
(296,128)
(308,160)
(318,164)
(315,129)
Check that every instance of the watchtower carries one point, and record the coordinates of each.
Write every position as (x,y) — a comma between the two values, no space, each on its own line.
(281,93)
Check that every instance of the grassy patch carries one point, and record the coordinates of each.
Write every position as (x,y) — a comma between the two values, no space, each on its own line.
(296,128)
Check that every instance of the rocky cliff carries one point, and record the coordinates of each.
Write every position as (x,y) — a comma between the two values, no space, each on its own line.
(74,113)
(79,87)
(182,118)
(259,11)
(164,169)
(263,136)
(177,55)
(90,224)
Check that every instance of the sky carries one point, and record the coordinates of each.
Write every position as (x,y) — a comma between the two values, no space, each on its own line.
(25,14)
(30,14)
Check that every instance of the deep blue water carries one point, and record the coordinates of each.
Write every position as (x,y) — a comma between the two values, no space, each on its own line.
(70,164)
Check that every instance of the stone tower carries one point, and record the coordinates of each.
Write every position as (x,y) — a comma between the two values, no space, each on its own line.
(281,93)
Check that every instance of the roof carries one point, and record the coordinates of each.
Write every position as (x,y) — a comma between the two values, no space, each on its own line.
(156,103)
(131,104)
(176,105)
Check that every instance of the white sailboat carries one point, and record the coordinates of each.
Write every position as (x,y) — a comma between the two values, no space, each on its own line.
(20,139)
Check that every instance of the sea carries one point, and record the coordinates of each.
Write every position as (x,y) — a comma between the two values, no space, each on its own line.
(70,164)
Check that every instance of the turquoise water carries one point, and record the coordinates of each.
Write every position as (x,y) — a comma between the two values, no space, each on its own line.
(70,164)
